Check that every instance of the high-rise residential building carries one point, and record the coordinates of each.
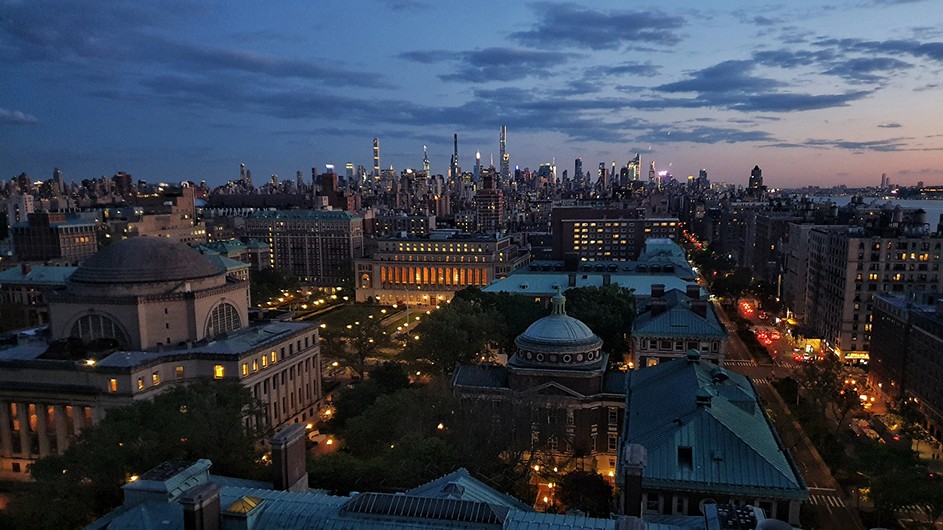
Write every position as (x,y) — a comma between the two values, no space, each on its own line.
(317,246)
(349,172)
(635,167)
(505,156)
(454,168)
(54,237)
(578,169)
(376,158)
(429,270)
(605,234)
(850,264)
(905,355)
(426,169)
(601,180)
(489,204)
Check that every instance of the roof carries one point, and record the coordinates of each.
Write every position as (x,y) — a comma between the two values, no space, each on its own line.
(307,215)
(145,259)
(459,484)
(690,403)
(37,275)
(543,284)
(559,333)
(678,320)
(480,375)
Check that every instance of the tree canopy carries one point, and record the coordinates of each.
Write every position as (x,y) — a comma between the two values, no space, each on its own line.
(586,491)
(200,420)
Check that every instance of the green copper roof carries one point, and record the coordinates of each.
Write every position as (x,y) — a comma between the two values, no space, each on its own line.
(705,430)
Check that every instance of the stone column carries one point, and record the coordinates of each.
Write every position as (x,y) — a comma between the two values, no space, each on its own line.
(21,411)
(62,437)
(5,443)
(42,429)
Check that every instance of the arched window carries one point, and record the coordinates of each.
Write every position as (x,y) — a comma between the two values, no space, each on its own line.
(95,326)
(223,319)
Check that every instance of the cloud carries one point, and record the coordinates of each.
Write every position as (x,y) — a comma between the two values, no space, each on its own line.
(630,68)
(890,125)
(887,145)
(865,70)
(728,76)
(706,135)
(16,117)
(505,64)
(572,25)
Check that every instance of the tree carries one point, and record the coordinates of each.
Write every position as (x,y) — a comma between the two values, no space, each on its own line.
(823,383)
(608,311)
(458,333)
(585,491)
(516,313)
(201,420)
(268,284)
(354,344)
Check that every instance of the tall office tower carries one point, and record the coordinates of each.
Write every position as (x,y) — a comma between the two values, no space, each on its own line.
(376,158)
(578,169)
(601,177)
(315,182)
(756,178)
(613,174)
(249,178)
(651,171)
(883,180)
(425,162)
(349,173)
(476,175)
(702,182)
(453,167)
(635,167)
(57,176)
(299,181)
(274,179)
(505,157)
(242,173)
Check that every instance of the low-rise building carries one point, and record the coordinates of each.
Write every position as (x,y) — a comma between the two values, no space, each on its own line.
(696,434)
(671,322)
(28,286)
(54,237)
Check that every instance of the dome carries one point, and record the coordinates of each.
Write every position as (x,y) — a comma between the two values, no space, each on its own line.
(143,260)
(558,339)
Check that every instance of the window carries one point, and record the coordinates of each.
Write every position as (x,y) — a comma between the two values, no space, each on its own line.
(112,385)
(140,383)
(155,378)
(245,369)
(93,327)
(264,361)
(255,365)
(613,415)
(223,319)
(613,442)
(274,357)
(178,372)
(218,371)
(685,458)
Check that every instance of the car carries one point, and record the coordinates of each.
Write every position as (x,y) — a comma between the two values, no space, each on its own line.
(762,315)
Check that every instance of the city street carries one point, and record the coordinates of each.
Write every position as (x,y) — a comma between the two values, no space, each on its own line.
(835,510)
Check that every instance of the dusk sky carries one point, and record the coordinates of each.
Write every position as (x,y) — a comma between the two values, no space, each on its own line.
(174,90)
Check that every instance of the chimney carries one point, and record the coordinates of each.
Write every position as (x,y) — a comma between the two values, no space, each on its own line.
(699,307)
(25,268)
(703,398)
(201,507)
(694,291)
(658,306)
(658,290)
(606,279)
(634,457)
(571,279)
(288,459)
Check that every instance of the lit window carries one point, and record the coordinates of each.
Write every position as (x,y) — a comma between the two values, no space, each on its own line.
(140,383)
(264,362)
(112,385)
(218,371)
(274,357)
(155,379)
(178,372)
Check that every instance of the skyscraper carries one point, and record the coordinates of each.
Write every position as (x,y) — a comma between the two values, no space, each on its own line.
(578,169)
(635,166)
(453,166)
(505,157)
(425,162)
(756,178)
(477,174)
(376,158)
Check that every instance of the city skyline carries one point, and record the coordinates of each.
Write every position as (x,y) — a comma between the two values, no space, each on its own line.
(170,91)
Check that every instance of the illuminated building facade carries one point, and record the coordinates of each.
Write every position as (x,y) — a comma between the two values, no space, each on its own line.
(429,270)
(317,246)
(139,317)
(595,234)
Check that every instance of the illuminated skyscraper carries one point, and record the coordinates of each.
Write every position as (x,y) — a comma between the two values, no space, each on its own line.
(477,174)
(453,166)
(425,162)
(756,178)
(635,166)
(376,158)
(505,157)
